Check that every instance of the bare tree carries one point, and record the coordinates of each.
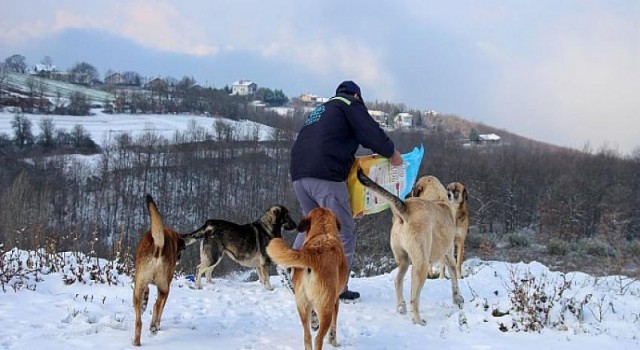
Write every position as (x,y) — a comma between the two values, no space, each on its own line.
(84,72)
(3,77)
(78,104)
(47,60)
(21,125)
(16,63)
(46,138)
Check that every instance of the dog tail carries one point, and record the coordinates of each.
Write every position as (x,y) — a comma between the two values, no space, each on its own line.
(206,229)
(157,229)
(283,255)
(397,205)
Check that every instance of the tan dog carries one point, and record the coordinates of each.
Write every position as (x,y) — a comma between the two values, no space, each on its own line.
(156,258)
(422,234)
(429,188)
(458,197)
(320,272)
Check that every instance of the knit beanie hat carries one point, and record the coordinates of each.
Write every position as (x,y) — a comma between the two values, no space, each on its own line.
(349,87)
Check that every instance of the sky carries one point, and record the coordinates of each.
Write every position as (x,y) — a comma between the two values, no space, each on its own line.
(233,312)
(563,72)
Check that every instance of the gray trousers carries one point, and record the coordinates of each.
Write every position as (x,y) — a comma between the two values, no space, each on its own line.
(312,193)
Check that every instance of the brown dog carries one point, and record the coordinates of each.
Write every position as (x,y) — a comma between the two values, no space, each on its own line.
(458,197)
(320,272)
(422,234)
(156,258)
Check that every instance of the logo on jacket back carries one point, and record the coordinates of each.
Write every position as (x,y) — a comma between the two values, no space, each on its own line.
(314,116)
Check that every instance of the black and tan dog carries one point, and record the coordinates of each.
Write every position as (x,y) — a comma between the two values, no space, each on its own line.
(320,272)
(246,244)
(422,234)
(156,258)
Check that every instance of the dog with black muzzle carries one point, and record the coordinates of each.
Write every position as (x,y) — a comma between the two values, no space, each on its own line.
(422,234)
(245,244)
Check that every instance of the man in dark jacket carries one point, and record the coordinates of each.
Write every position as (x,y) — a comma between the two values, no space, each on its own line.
(323,154)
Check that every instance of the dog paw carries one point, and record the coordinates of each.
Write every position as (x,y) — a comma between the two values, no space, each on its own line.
(402,308)
(154,328)
(458,300)
(420,321)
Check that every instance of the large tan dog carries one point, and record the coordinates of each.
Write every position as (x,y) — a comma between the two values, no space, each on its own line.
(156,258)
(429,188)
(320,272)
(458,197)
(422,234)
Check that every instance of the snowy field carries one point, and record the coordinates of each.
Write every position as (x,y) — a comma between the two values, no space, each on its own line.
(582,313)
(102,127)
(234,314)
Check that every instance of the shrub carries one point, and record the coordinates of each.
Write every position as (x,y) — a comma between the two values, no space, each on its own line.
(595,247)
(518,241)
(557,247)
(473,241)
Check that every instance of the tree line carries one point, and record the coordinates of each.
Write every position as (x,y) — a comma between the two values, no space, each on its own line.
(69,203)
(135,94)
(561,196)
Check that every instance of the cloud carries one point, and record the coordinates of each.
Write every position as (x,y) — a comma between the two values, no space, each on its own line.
(580,84)
(161,26)
(337,58)
(14,33)
(156,25)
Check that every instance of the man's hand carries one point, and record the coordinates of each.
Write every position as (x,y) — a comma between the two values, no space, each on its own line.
(396,158)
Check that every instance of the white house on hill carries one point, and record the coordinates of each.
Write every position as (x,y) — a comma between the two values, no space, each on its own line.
(489,138)
(243,87)
(379,116)
(403,120)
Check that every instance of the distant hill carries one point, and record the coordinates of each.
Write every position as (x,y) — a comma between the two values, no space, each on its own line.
(456,124)
(21,85)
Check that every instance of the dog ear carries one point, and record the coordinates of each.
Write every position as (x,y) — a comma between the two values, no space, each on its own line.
(181,246)
(271,215)
(465,194)
(416,190)
(304,225)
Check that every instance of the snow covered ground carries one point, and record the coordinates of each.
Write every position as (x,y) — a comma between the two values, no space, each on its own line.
(234,314)
(102,127)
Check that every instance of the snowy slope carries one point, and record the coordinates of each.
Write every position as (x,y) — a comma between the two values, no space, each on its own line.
(234,314)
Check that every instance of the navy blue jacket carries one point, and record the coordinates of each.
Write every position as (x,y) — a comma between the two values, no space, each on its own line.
(327,143)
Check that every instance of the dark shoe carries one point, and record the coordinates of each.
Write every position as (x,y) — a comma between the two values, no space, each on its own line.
(285,277)
(349,296)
